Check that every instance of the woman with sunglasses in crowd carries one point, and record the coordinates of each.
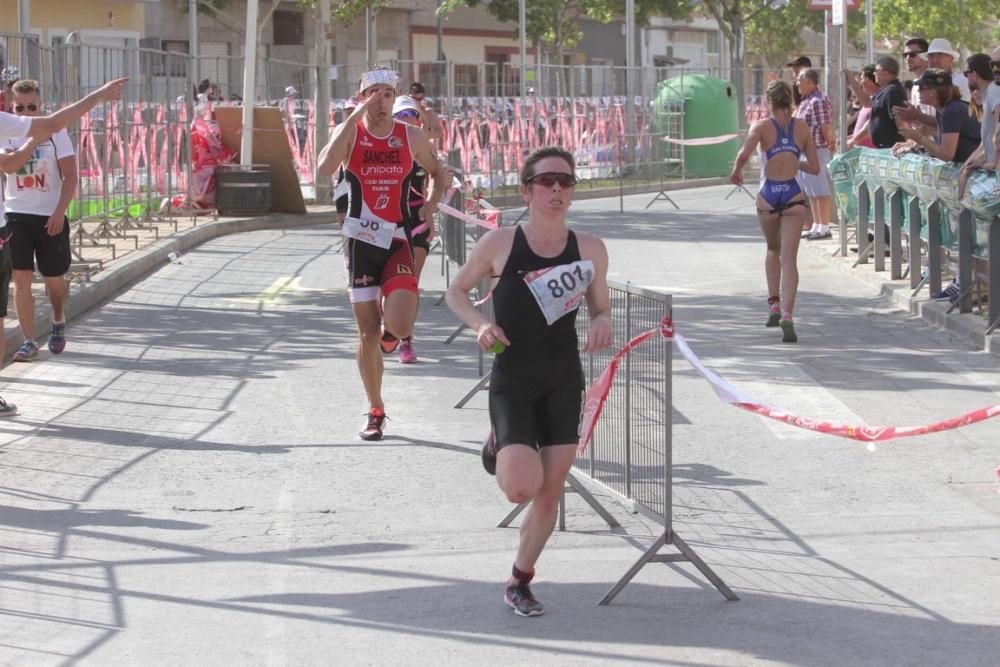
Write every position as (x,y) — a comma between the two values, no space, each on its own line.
(541,272)
(958,132)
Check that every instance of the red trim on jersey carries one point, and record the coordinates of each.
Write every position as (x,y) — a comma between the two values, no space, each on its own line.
(381,166)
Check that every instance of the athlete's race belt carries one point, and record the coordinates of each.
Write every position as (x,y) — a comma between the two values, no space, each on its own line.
(375,232)
(559,290)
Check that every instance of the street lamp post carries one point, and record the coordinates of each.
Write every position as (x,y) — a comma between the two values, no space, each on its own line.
(249,84)
(522,22)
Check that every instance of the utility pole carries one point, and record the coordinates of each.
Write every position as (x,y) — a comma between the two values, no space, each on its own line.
(249,84)
(322,103)
(194,49)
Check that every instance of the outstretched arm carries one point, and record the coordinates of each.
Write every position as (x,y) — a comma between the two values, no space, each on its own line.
(44,126)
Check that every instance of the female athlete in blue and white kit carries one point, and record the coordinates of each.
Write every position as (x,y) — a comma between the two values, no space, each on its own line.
(781,204)
(541,273)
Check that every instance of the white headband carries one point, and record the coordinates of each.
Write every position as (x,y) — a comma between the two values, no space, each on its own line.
(378,77)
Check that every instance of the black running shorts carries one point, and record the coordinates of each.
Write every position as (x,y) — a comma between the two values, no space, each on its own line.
(32,242)
(421,240)
(370,268)
(537,405)
(5,270)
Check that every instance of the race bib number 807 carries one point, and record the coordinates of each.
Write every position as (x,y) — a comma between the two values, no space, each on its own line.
(559,290)
(377,233)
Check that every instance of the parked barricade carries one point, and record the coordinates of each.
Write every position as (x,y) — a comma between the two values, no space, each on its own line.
(915,198)
(631,451)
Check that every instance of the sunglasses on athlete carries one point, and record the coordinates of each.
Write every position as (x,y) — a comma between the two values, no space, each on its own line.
(407,113)
(912,54)
(22,107)
(550,178)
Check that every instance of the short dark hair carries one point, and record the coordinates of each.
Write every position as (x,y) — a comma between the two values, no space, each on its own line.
(26,86)
(811,74)
(888,64)
(528,170)
(417,87)
(919,41)
(868,72)
(980,64)
(204,85)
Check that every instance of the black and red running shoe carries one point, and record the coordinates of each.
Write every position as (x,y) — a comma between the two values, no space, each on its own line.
(376,422)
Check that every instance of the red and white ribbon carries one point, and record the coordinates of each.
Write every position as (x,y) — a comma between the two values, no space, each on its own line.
(727,393)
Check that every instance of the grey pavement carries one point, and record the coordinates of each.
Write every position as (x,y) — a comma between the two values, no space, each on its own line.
(185,485)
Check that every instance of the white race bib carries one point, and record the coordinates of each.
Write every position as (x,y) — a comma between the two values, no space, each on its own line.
(374,232)
(559,290)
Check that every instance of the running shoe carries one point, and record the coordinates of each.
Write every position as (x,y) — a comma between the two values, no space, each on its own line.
(406,353)
(7,409)
(788,331)
(490,454)
(774,316)
(520,598)
(389,342)
(949,293)
(373,428)
(27,352)
(57,340)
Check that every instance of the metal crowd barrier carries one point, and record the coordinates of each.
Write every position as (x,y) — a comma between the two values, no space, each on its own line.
(915,198)
(631,453)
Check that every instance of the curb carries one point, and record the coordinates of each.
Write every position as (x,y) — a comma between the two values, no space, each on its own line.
(137,265)
(969,328)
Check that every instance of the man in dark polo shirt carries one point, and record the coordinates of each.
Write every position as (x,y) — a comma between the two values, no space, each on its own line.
(882,126)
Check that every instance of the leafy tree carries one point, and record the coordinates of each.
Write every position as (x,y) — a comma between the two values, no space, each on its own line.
(226,14)
(777,32)
(555,24)
(346,12)
(965,23)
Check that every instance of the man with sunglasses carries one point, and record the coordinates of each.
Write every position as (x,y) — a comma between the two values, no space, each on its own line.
(39,187)
(890,97)
(428,117)
(378,155)
(985,157)
(37,129)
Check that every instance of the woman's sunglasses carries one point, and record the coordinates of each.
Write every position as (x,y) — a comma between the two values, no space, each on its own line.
(407,113)
(22,107)
(550,178)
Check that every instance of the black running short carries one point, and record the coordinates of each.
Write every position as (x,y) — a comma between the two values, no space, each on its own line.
(537,405)
(421,240)
(32,242)
(371,269)
(342,204)
(5,270)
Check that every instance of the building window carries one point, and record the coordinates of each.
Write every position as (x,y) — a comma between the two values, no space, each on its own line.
(173,65)
(289,28)
(714,42)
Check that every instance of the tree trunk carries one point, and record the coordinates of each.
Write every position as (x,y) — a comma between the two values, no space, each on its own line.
(736,53)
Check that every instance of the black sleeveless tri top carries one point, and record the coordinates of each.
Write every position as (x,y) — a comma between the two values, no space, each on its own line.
(515,310)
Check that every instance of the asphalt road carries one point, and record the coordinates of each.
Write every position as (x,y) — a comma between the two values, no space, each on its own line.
(185,486)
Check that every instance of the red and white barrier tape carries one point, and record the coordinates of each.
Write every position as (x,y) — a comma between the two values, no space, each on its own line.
(727,393)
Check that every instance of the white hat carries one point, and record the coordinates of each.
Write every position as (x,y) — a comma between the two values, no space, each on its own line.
(403,103)
(941,45)
(291,90)
(381,76)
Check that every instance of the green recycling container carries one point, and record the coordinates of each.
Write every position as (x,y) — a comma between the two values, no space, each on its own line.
(710,109)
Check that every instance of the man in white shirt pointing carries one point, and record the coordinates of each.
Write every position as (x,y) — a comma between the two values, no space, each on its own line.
(41,179)
(38,129)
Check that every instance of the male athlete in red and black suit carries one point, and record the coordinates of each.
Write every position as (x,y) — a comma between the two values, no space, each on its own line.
(378,154)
